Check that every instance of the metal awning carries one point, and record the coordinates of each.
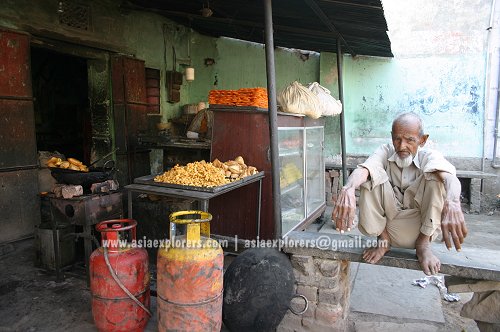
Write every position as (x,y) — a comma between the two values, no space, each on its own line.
(356,27)
(313,25)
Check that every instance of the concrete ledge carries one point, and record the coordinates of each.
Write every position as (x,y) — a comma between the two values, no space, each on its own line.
(472,263)
(474,175)
(462,285)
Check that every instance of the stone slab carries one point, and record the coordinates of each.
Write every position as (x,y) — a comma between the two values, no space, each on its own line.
(393,327)
(474,174)
(388,291)
(473,263)
(461,285)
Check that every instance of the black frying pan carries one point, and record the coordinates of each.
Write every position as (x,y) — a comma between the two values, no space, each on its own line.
(85,179)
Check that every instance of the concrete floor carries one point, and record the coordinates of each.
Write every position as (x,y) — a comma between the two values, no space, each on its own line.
(382,298)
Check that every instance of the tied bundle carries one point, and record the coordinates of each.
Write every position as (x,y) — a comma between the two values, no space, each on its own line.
(328,105)
(298,99)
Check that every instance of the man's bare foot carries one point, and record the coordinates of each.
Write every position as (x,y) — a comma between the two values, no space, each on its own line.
(374,254)
(429,263)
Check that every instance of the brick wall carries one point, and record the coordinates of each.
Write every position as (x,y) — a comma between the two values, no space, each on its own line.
(333,184)
(325,284)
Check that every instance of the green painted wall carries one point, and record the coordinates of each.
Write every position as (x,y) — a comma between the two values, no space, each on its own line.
(150,37)
(446,91)
(238,64)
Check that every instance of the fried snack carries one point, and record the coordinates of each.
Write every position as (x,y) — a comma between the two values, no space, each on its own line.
(240,160)
(64,164)
(52,160)
(75,162)
(72,163)
(235,169)
(197,174)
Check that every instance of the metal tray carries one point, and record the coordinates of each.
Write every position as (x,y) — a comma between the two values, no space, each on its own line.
(149,180)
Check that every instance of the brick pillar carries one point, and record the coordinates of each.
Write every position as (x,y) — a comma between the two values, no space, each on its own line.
(475,195)
(325,283)
(332,182)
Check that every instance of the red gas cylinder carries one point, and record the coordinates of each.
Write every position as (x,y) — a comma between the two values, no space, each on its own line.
(119,279)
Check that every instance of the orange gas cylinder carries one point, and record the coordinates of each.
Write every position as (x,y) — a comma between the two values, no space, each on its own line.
(190,269)
(119,279)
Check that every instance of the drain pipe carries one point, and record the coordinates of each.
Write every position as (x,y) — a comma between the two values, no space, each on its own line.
(493,63)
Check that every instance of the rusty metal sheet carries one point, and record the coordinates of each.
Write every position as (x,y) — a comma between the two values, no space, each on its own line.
(15,79)
(135,80)
(132,165)
(87,210)
(137,121)
(17,134)
(120,124)
(117,80)
(19,203)
(129,121)
(129,80)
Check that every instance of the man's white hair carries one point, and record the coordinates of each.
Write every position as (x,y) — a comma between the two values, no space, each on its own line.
(409,117)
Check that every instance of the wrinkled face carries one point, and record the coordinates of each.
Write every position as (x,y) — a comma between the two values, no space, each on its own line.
(406,138)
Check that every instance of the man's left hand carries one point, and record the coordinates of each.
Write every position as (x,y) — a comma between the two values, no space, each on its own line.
(453,224)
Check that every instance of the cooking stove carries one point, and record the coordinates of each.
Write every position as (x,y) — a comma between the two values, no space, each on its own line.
(85,211)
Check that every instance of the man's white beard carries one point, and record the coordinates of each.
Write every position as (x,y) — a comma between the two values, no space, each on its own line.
(404,162)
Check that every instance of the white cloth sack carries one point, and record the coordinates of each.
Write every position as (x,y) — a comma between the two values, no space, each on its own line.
(297,99)
(328,105)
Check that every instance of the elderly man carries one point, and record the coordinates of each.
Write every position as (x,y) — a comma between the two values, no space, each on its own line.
(408,196)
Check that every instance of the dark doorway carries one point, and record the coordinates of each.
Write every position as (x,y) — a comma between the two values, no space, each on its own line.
(61,103)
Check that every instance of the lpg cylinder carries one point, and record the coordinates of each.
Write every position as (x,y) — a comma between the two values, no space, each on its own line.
(189,282)
(119,279)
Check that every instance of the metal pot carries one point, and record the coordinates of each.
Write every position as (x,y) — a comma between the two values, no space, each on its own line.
(85,179)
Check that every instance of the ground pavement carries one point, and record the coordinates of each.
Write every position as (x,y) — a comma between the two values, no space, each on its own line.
(382,298)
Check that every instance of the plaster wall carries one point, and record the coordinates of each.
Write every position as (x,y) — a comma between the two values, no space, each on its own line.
(438,72)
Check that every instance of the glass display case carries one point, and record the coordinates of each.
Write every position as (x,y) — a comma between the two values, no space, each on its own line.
(301,174)
(244,131)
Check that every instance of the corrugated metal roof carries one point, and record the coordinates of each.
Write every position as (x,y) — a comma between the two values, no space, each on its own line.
(311,25)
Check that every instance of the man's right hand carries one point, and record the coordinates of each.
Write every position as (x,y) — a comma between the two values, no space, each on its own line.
(345,209)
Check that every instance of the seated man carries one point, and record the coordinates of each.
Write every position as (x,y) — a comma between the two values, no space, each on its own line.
(407,193)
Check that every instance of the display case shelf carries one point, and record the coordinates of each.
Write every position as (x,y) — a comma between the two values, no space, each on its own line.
(290,188)
(289,153)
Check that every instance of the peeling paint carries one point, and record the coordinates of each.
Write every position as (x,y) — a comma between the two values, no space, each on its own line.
(446,92)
